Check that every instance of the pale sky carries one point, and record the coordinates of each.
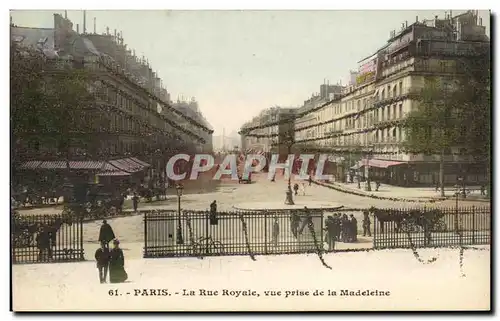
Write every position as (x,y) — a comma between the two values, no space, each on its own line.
(240,62)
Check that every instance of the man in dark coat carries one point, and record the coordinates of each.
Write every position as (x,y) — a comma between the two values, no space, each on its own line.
(354,228)
(330,233)
(294,223)
(43,244)
(135,201)
(345,228)
(106,234)
(296,188)
(117,273)
(276,231)
(337,224)
(102,256)
(213,213)
(366,224)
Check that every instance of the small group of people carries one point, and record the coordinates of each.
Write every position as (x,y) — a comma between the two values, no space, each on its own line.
(112,260)
(342,228)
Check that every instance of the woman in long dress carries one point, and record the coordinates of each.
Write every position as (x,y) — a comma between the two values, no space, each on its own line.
(117,273)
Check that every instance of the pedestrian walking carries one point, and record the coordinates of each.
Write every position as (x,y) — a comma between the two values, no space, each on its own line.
(366,224)
(296,188)
(337,225)
(43,244)
(102,256)
(294,223)
(213,213)
(276,231)
(345,228)
(310,179)
(303,189)
(117,273)
(106,234)
(135,201)
(354,228)
(330,233)
(483,189)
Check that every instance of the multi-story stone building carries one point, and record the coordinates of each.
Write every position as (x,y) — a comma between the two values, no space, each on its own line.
(132,114)
(368,117)
(365,118)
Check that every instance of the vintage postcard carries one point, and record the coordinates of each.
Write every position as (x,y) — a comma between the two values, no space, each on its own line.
(203,160)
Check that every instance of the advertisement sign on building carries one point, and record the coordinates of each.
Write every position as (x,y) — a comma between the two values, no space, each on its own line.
(367,70)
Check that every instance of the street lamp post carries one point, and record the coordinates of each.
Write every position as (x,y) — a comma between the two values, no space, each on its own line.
(288,192)
(368,186)
(180,239)
(457,194)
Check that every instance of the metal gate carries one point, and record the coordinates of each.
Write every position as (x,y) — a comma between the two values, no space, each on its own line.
(195,233)
(46,238)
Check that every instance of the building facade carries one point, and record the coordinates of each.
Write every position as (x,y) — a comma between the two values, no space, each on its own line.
(132,114)
(361,124)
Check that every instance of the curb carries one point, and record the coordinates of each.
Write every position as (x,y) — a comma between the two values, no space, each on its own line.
(394,199)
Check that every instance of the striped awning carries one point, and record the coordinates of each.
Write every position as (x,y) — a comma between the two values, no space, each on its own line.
(30,165)
(114,173)
(91,165)
(58,164)
(138,161)
(127,166)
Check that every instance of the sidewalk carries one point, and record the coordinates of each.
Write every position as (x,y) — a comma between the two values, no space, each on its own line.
(409,194)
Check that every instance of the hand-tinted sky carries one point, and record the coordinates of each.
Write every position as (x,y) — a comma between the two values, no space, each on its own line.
(237,63)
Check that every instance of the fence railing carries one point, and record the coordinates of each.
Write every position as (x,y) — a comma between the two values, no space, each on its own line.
(46,238)
(234,233)
(432,227)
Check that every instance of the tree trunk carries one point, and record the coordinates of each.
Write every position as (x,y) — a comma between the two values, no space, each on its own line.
(441,172)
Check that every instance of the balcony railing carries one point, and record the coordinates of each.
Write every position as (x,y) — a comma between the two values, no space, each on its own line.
(394,99)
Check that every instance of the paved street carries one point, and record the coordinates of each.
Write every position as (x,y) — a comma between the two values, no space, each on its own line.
(411,193)
(130,230)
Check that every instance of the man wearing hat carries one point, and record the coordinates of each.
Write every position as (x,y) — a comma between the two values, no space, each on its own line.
(106,234)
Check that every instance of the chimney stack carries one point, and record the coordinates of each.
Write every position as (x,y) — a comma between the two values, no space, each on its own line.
(406,24)
(480,21)
(115,38)
(95,26)
(416,18)
(77,28)
(65,14)
(107,31)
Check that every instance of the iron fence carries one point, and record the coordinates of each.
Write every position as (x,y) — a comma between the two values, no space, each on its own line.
(234,233)
(46,238)
(431,227)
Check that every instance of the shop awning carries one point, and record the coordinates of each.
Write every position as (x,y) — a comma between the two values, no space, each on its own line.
(62,164)
(127,166)
(88,165)
(379,163)
(115,173)
(30,165)
(130,165)
(138,161)
(58,164)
